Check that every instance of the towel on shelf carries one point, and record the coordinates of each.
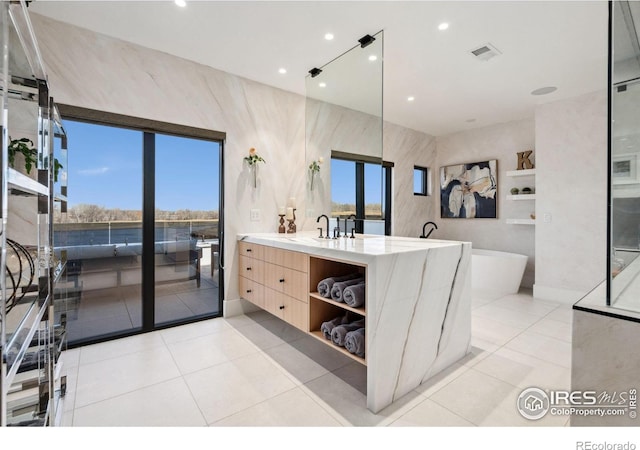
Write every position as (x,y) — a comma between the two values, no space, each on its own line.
(354,342)
(339,287)
(340,332)
(328,326)
(324,286)
(354,295)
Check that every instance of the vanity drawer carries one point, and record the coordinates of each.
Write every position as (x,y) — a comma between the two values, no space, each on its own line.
(251,250)
(252,291)
(292,311)
(287,258)
(288,281)
(251,268)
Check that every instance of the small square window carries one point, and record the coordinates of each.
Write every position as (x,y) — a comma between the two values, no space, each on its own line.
(421,181)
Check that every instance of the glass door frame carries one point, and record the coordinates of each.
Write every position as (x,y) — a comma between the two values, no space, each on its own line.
(150,128)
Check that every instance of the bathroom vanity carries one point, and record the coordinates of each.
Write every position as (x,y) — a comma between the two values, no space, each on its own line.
(417,307)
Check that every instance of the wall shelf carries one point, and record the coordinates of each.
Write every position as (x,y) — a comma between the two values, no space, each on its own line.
(521,173)
(318,335)
(317,296)
(521,221)
(521,197)
(19,183)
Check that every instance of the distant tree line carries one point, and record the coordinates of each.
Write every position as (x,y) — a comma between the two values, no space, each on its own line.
(371,210)
(86,213)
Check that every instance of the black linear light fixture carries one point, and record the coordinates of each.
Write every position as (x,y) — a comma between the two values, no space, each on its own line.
(315,72)
(366,40)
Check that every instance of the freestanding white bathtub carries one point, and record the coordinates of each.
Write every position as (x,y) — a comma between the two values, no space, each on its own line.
(497,272)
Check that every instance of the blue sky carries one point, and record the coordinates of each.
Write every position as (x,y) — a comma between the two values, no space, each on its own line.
(343,182)
(105,168)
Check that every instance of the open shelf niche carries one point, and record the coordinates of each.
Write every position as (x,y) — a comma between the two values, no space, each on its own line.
(323,309)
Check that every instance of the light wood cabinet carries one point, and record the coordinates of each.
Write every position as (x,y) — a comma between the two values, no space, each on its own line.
(252,291)
(284,283)
(289,309)
(275,280)
(252,269)
(289,281)
(286,258)
(251,250)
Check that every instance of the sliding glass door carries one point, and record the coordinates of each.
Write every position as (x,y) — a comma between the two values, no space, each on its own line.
(102,230)
(142,231)
(187,240)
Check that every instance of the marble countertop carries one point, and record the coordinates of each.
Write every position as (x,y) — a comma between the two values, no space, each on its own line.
(362,246)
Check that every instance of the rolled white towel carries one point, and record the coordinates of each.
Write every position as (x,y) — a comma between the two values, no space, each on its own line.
(338,288)
(354,341)
(354,295)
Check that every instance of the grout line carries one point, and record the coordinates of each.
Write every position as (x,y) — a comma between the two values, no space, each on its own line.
(121,394)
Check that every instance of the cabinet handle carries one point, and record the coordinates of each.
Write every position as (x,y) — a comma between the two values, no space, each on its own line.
(248,268)
(281,280)
(248,291)
(249,250)
(282,307)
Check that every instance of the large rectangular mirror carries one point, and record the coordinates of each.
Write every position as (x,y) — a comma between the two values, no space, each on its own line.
(344,139)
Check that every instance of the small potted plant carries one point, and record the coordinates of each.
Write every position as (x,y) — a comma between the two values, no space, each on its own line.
(25,147)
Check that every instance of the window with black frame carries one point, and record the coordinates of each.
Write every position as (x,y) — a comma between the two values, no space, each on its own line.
(142,230)
(361,190)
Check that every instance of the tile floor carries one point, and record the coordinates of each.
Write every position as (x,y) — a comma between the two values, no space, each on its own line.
(255,370)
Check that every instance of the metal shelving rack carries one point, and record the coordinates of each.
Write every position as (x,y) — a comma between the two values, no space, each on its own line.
(32,333)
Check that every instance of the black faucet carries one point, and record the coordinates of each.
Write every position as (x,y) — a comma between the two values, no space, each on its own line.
(352,216)
(435,227)
(318,221)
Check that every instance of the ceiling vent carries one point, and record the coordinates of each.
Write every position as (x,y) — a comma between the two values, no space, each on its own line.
(485,52)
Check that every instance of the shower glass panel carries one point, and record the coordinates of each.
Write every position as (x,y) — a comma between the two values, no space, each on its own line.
(624,264)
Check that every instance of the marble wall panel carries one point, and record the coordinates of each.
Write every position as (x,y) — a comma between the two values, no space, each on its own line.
(571,182)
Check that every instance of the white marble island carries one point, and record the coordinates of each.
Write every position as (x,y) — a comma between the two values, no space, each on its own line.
(417,307)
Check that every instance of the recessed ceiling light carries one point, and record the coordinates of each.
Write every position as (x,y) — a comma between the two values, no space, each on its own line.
(282,70)
(322,84)
(328,36)
(544,90)
(443,26)
(373,58)
(181,3)
(410,99)
(470,120)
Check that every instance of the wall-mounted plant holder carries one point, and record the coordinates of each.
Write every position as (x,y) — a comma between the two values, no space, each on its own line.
(253,159)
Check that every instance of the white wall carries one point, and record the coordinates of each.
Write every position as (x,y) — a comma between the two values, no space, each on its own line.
(407,148)
(571,181)
(501,142)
